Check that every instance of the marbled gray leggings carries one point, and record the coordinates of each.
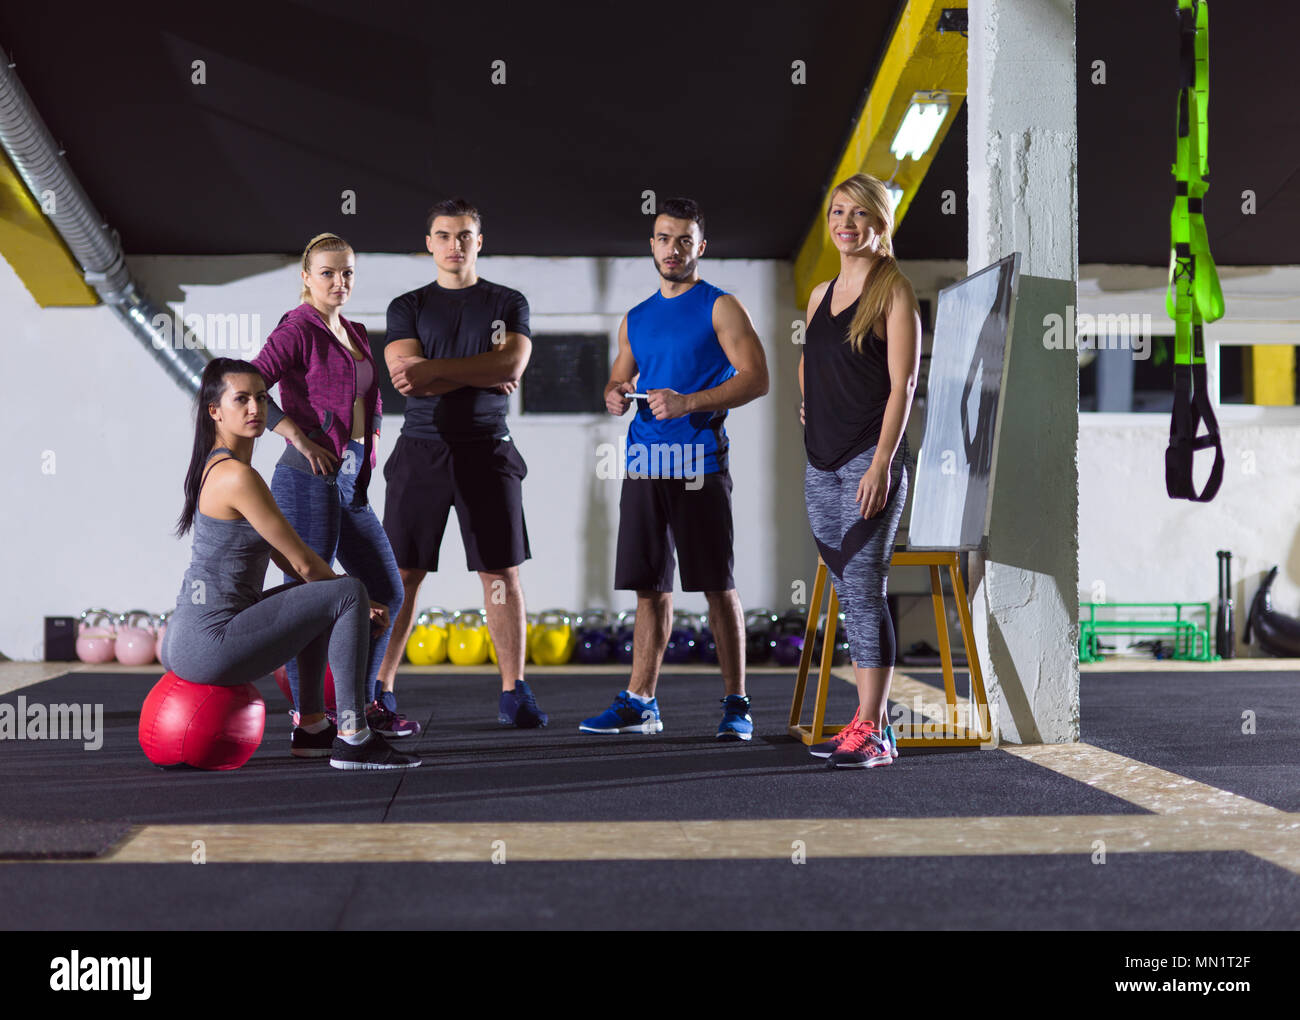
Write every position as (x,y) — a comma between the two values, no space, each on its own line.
(857,551)
(318,622)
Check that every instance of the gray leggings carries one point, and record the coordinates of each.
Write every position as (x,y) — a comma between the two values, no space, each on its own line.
(857,551)
(318,622)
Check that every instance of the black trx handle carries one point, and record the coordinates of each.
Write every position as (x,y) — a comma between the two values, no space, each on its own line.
(1191,408)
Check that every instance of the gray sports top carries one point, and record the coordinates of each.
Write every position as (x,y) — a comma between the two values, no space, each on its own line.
(228,567)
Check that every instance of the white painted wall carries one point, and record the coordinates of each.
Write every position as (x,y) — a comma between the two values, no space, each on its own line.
(1138,545)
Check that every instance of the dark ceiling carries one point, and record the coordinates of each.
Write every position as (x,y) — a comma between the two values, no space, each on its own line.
(394,101)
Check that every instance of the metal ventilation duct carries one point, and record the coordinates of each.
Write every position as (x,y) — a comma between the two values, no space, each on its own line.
(92,242)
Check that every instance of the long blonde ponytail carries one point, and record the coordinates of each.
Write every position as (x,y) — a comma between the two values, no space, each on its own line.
(871,194)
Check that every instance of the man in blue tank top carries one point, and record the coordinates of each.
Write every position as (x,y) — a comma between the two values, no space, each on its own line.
(692,351)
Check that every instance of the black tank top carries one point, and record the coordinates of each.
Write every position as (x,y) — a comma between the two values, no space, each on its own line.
(844,393)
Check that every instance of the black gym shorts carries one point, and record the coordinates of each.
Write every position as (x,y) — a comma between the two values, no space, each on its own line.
(481,478)
(658,514)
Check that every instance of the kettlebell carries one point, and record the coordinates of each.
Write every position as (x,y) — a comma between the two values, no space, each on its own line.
(136,639)
(427,645)
(595,643)
(840,653)
(787,648)
(467,642)
(529,630)
(624,633)
(95,636)
(681,639)
(760,637)
(553,638)
(705,645)
(160,626)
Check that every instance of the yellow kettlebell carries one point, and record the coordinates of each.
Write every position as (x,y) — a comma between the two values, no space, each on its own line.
(553,638)
(467,640)
(427,645)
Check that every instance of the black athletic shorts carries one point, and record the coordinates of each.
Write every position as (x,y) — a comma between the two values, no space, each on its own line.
(481,478)
(657,515)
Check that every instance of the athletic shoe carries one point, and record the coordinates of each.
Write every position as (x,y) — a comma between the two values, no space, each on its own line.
(295,719)
(891,740)
(390,723)
(863,747)
(737,723)
(519,708)
(828,747)
(313,745)
(626,715)
(375,753)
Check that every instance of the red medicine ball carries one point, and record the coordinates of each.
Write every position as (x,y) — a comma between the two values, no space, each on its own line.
(202,725)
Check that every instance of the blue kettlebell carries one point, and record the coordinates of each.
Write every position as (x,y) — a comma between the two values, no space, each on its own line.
(705,646)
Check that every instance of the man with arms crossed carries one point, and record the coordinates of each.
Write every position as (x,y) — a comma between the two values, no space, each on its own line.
(457,348)
(692,349)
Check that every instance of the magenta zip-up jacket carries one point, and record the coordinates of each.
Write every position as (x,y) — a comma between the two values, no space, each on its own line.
(318,383)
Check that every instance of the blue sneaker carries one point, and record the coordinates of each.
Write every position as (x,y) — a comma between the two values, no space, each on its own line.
(737,723)
(519,708)
(626,715)
(891,740)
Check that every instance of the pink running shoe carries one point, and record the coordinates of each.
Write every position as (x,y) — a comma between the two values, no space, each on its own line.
(863,747)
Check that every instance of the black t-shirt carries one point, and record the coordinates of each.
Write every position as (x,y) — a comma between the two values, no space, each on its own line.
(844,393)
(457,324)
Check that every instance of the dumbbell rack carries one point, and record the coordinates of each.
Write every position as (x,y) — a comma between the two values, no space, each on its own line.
(952,734)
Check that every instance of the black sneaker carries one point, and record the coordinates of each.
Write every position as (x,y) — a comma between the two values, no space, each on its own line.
(375,753)
(313,745)
(519,708)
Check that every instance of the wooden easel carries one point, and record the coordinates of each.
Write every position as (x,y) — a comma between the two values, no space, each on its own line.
(951,732)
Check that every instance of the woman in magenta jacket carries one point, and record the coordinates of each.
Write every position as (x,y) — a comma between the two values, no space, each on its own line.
(330,416)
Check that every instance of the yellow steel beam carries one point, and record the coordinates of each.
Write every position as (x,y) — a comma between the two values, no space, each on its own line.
(1270,375)
(918,59)
(34,248)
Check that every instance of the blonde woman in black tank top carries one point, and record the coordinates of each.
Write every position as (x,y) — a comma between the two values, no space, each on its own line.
(858,374)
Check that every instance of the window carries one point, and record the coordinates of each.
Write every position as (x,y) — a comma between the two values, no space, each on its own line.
(566,374)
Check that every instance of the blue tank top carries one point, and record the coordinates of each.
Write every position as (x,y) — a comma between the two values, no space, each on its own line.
(228,564)
(675,348)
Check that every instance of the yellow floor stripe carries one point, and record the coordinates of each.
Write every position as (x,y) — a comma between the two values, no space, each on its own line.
(1084,835)
(1145,785)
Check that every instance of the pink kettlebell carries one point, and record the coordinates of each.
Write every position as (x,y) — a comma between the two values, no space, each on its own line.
(135,638)
(95,636)
(160,625)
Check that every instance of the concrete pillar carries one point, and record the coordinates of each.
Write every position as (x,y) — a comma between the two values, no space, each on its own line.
(1022,149)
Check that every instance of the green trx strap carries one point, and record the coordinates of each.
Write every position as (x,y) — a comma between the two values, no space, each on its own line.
(1194,296)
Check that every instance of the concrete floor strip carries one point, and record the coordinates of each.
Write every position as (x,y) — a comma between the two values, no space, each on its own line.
(1277,838)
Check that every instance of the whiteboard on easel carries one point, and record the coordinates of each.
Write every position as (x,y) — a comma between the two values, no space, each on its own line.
(963,414)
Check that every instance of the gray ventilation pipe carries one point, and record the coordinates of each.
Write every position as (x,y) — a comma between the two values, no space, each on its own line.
(92,242)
